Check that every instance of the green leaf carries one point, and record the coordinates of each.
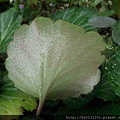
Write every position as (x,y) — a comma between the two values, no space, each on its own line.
(108,88)
(13,101)
(116,33)
(116,73)
(54,60)
(77,16)
(102,22)
(9,22)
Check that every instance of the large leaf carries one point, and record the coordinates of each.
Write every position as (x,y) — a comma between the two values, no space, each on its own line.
(116,33)
(77,16)
(9,22)
(13,101)
(54,60)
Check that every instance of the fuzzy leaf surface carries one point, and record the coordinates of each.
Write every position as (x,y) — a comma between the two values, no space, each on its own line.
(54,60)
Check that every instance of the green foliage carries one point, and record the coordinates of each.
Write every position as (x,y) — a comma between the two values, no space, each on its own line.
(13,101)
(77,16)
(9,22)
(110,83)
(116,72)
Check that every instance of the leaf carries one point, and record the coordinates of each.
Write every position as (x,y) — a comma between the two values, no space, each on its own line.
(48,59)
(116,6)
(116,33)
(116,73)
(102,21)
(108,88)
(13,101)
(77,16)
(9,22)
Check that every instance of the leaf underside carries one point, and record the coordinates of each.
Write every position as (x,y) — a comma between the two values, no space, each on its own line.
(54,60)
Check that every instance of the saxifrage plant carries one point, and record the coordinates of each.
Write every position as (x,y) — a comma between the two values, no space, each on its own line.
(54,60)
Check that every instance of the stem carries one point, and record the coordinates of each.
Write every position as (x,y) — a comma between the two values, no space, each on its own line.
(39,108)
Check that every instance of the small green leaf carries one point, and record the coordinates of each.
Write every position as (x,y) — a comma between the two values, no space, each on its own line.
(13,101)
(77,16)
(102,22)
(9,22)
(116,33)
(54,60)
